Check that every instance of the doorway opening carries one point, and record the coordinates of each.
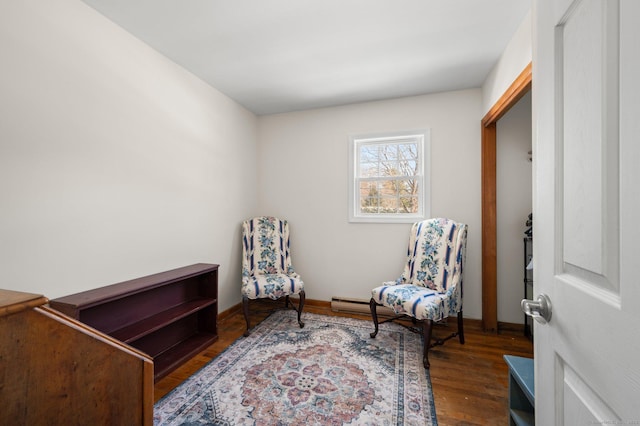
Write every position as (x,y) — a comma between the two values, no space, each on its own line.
(520,86)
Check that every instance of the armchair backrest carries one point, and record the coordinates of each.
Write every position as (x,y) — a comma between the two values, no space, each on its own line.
(436,254)
(265,246)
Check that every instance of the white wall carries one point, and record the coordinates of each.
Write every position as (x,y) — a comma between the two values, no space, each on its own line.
(513,205)
(115,163)
(303,177)
(516,56)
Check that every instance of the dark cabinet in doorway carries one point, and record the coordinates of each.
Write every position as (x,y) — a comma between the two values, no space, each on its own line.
(528,282)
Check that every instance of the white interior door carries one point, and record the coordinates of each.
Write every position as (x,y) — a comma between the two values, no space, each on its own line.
(586,118)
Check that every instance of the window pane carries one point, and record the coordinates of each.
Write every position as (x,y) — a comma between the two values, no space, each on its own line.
(389,204)
(389,152)
(368,170)
(388,188)
(369,197)
(408,187)
(408,167)
(389,168)
(408,205)
(408,151)
(408,159)
(368,153)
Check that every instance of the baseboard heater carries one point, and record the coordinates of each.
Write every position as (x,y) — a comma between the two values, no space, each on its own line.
(357,306)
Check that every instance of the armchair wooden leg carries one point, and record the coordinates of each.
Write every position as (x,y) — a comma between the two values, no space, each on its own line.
(245,308)
(300,306)
(374,315)
(460,328)
(427,326)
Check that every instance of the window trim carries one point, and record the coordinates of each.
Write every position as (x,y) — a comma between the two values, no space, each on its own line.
(423,137)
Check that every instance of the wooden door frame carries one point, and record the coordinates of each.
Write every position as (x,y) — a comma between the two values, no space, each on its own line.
(520,86)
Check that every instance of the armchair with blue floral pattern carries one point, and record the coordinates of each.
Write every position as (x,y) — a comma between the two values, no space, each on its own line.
(430,287)
(267,271)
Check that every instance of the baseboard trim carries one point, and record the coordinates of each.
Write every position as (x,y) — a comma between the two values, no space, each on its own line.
(229,312)
(237,308)
(475,324)
(511,327)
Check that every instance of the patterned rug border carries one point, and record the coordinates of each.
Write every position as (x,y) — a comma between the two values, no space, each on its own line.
(280,316)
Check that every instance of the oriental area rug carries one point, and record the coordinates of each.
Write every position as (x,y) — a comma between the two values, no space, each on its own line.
(328,373)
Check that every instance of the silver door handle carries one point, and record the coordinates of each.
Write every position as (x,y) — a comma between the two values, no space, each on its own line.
(539,310)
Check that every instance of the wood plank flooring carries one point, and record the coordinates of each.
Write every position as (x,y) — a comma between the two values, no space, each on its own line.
(470,381)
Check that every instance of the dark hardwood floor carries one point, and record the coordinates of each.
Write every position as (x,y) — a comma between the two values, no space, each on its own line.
(470,381)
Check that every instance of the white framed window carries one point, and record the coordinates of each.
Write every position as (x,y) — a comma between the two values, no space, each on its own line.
(388,177)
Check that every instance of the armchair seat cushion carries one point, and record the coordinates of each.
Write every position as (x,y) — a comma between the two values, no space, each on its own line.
(415,301)
(272,286)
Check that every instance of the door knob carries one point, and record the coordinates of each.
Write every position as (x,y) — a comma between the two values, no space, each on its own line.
(539,310)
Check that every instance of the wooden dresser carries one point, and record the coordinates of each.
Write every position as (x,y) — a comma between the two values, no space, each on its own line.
(56,370)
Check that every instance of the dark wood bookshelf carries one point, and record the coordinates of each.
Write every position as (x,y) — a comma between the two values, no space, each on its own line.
(171,316)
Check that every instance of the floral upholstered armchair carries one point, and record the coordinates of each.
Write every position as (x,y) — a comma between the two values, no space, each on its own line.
(266,264)
(430,287)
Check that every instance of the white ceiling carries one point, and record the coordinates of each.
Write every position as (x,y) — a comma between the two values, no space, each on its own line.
(276,56)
